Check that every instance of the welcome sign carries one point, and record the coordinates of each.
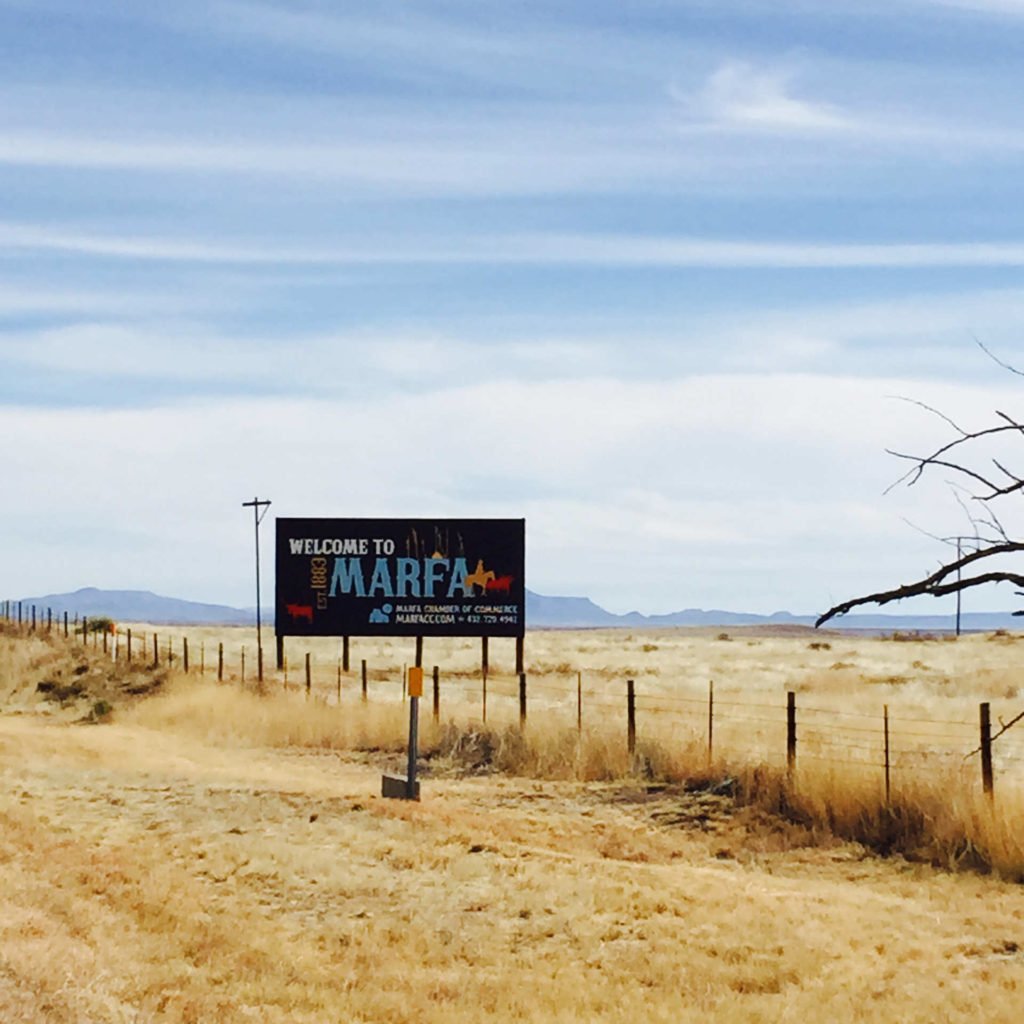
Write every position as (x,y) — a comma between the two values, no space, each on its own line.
(400,577)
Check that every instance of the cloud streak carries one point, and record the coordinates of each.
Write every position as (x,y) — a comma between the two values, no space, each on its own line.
(568,249)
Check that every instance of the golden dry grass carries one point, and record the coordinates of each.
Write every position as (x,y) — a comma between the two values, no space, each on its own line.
(212,854)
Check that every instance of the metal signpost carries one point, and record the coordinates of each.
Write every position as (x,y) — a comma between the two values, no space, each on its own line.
(394,785)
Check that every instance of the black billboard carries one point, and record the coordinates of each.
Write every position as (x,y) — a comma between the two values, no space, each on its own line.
(400,577)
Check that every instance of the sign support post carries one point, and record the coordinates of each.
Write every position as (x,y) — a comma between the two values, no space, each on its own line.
(393,785)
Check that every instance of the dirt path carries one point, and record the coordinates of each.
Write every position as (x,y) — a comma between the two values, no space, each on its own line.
(147,877)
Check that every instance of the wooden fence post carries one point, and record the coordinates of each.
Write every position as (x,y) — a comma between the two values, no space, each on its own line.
(711,720)
(630,717)
(885,712)
(485,667)
(309,677)
(49,620)
(220,662)
(33,618)
(790,732)
(579,702)
(437,694)
(85,630)
(522,700)
(65,625)
(128,648)
(344,653)
(156,650)
(184,654)
(364,680)
(105,641)
(243,665)
(986,749)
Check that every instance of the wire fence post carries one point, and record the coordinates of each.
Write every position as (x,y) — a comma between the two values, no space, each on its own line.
(888,790)
(485,667)
(579,702)
(522,700)
(986,749)
(711,720)
(790,733)
(630,718)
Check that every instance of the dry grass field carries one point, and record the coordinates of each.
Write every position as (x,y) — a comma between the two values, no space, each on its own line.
(174,849)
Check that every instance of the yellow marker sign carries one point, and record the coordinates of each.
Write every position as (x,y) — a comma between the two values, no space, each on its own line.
(415,682)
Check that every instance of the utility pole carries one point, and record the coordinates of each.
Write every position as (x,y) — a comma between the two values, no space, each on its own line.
(259,510)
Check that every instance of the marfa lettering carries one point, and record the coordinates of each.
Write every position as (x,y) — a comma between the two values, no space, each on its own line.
(412,577)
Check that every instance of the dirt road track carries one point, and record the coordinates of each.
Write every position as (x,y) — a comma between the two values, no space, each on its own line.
(149,877)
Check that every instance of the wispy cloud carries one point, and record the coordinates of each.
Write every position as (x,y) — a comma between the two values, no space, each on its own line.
(522,249)
(740,96)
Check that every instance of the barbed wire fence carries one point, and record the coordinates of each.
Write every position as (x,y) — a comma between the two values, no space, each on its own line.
(889,746)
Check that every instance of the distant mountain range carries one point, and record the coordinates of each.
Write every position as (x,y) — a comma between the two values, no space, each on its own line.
(542,612)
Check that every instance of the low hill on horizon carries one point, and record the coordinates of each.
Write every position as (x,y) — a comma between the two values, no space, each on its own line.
(542,612)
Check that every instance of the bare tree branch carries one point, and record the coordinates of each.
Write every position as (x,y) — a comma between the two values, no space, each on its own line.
(996,359)
(1005,727)
(977,492)
(934,584)
(932,410)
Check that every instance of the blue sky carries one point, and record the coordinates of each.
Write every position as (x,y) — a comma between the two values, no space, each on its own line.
(648,275)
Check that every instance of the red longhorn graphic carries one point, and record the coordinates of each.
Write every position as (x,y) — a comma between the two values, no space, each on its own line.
(300,611)
(502,584)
